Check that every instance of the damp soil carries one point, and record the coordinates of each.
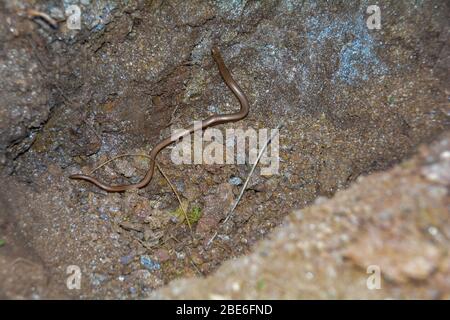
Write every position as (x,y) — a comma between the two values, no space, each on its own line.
(352,101)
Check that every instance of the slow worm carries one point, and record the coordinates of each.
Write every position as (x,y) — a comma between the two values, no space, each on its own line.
(208,122)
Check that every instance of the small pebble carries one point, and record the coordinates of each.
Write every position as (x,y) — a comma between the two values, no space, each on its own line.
(235,181)
(149,263)
(181,255)
(126,259)
(162,255)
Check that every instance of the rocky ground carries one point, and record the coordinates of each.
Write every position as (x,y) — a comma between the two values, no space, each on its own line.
(396,222)
(353,102)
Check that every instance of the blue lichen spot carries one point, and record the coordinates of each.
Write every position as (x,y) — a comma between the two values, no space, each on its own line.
(149,263)
(357,60)
(233,8)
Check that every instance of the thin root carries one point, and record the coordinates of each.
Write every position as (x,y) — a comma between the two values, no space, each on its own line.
(32,13)
(230,214)
(160,170)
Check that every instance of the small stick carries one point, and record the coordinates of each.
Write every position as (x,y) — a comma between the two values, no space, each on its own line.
(38,14)
(160,170)
(178,197)
(196,268)
(117,157)
(261,152)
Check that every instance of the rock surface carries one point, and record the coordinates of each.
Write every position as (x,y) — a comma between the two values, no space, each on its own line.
(397,221)
(353,101)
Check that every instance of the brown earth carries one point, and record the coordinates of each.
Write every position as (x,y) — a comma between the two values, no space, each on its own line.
(353,101)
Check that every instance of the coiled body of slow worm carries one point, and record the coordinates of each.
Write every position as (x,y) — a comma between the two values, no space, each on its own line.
(208,122)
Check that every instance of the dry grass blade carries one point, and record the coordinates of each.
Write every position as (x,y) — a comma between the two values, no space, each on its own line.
(163,174)
(177,195)
(261,152)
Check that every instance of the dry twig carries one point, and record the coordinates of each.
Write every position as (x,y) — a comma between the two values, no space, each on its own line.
(261,152)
